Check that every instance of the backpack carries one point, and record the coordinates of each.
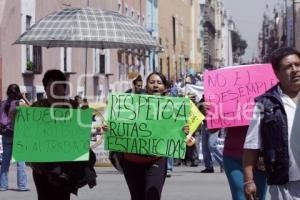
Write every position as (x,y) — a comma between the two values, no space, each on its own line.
(5,121)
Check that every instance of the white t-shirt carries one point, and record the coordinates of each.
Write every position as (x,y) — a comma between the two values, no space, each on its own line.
(253,138)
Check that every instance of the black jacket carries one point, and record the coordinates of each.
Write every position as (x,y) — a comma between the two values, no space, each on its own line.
(274,134)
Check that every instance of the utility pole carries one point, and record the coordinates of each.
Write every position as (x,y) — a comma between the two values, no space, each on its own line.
(286,20)
(294,23)
(86,62)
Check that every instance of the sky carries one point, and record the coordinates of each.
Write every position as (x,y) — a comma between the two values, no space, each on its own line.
(248,16)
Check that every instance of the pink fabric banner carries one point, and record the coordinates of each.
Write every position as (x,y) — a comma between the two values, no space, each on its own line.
(231,92)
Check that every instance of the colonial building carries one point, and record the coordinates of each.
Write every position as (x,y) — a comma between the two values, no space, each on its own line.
(209,33)
(179,35)
(25,65)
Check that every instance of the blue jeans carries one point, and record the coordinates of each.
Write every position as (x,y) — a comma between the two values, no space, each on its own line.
(209,147)
(234,171)
(6,158)
(170,164)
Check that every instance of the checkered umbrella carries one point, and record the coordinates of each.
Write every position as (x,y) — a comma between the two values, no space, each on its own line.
(88,28)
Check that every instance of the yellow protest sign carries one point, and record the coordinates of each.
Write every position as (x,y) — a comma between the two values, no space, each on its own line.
(195,119)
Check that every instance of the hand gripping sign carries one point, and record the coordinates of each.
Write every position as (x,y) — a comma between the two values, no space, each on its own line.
(195,119)
(231,92)
(147,124)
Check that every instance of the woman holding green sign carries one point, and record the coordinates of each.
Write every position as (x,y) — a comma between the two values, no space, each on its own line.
(145,175)
(57,180)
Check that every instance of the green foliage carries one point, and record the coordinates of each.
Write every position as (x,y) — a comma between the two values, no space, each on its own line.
(238,44)
(29,65)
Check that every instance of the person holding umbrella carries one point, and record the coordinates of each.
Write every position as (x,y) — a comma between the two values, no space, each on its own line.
(57,180)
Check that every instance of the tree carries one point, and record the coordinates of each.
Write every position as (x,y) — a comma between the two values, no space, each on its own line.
(238,44)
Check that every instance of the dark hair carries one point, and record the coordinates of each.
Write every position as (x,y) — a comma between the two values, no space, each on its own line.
(13,93)
(162,77)
(278,54)
(137,79)
(77,97)
(53,75)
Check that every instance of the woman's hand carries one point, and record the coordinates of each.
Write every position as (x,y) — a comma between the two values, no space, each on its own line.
(204,107)
(190,140)
(105,128)
(102,129)
(186,129)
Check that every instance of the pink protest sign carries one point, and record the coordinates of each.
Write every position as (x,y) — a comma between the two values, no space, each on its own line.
(231,92)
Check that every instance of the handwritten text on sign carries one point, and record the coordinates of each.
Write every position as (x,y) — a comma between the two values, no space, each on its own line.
(52,134)
(231,92)
(145,124)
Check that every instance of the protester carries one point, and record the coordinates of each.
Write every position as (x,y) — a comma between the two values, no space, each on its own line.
(209,149)
(137,85)
(85,103)
(193,151)
(173,89)
(232,162)
(57,180)
(209,144)
(170,166)
(270,130)
(145,175)
(7,118)
(78,100)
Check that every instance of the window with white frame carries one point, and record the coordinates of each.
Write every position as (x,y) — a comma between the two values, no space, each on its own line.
(27,19)
(37,59)
(28,49)
(65,59)
(101,61)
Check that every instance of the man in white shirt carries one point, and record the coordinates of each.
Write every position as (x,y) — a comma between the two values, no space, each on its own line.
(270,130)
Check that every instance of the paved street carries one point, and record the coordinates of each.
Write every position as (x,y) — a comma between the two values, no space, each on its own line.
(186,183)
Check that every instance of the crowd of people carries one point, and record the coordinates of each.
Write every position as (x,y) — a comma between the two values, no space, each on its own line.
(253,157)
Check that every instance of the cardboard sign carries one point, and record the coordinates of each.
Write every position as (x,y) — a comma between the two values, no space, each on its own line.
(195,119)
(146,124)
(52,134)
(231,92)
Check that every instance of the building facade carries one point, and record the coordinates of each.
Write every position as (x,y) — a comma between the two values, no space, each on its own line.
(179,35)
(209,34)
(25,65)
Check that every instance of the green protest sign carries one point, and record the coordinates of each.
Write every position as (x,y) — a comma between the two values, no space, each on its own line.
(146,124)
(52,134)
